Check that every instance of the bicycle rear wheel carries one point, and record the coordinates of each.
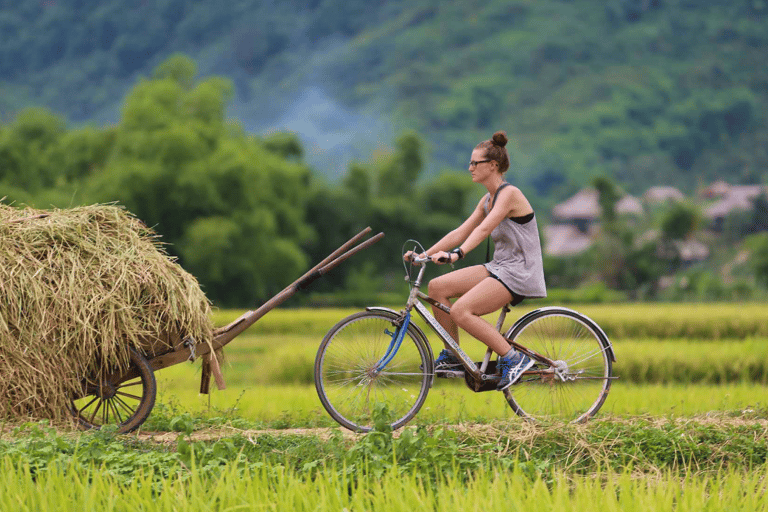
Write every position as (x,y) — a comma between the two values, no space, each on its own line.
(576,388)
(348,384)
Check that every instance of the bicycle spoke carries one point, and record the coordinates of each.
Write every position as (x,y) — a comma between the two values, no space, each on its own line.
(575,388)
(348,387)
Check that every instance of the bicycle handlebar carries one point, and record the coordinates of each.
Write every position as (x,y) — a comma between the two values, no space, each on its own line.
(426,259)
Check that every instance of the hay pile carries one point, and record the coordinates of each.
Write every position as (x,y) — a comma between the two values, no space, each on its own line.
(77,288)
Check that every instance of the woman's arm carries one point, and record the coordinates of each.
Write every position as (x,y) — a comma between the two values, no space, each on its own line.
(460,234)
(510,201)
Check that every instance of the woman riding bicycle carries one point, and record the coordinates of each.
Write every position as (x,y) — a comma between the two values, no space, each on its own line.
(515,273)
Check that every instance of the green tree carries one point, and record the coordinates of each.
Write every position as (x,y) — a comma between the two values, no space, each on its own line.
(608,196)
(758,245)
(231,206)
(25,147)
(399,171)
(680,221)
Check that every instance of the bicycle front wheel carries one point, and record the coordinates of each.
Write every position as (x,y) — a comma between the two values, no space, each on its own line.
(577,386)
(352,385)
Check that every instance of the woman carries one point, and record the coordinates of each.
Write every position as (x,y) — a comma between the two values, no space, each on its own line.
(515,273)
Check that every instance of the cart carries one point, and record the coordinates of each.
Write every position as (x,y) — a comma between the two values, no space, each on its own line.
(126,398)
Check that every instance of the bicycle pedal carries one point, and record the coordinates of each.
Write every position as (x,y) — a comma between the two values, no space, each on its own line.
(449,374)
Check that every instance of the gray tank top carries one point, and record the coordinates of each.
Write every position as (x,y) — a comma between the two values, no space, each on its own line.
(517,260)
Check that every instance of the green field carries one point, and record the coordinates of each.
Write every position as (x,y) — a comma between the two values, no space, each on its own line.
(683,428)
(264,490)
(721,365)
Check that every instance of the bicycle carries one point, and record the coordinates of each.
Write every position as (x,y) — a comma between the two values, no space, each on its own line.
(380,356)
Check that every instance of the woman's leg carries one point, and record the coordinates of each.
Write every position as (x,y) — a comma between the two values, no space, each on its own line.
(486,297)
(452,285)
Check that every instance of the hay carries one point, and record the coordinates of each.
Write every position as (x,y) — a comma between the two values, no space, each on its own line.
(77,288)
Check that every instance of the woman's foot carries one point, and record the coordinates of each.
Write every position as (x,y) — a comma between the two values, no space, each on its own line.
(512,368)
(447,361)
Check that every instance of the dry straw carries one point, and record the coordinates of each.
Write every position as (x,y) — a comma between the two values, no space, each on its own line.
(77,288)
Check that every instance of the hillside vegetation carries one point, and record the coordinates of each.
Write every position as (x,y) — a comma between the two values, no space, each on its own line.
(648,91)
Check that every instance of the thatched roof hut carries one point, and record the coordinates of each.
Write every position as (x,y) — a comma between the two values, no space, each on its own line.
(585,206)
(565,240)
(737,198)
(629,205)
(662,194)
(716,189)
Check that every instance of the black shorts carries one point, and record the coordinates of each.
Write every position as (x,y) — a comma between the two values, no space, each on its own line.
(516,298)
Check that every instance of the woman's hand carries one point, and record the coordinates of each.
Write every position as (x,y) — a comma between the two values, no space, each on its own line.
(410,255)
(442,257)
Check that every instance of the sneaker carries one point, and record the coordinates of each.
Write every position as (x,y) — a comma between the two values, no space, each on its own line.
(512,368)
(447,361)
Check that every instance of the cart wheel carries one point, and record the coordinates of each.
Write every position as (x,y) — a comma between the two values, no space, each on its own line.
(124,400)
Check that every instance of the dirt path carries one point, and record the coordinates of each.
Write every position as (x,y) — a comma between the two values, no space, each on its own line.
(214,434)
(518,430)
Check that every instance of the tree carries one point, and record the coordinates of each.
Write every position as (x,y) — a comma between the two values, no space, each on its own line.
(230,205)
(680,221)
(609,195)
(759,257)
(399,171)
(24,149)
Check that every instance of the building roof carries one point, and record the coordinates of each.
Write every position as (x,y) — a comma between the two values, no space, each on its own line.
(661,194)
(738,198)
(716,189)
(585,205)
(692,250)
(565,240)
(629,205)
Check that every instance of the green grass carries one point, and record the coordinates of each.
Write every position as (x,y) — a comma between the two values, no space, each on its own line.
(619,321)
(620,464)
(269,368)
(265,489)
(281,347)
(667,445)
(285,406)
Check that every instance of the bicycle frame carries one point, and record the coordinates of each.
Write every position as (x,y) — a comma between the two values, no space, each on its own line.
(414,302)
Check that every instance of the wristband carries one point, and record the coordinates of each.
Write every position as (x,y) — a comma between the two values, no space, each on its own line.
(458,252)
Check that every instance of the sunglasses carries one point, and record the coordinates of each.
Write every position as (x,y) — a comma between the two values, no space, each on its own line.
(473,163)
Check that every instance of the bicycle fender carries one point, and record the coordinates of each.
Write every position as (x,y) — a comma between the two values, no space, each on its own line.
(592,324)
(412,325)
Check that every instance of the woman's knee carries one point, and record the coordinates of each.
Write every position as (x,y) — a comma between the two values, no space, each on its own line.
(437,288)
(460,312)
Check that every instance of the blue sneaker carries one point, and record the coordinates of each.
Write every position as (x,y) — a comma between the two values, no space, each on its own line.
(512,368)
(447,361)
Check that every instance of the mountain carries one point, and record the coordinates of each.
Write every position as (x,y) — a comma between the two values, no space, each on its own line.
(646,91)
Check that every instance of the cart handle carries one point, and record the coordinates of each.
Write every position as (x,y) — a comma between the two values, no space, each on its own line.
(224,335)
(228,333)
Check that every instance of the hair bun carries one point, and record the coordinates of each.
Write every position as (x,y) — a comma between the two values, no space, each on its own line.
(500,139)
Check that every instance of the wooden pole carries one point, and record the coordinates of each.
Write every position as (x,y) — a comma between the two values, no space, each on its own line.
(224,335)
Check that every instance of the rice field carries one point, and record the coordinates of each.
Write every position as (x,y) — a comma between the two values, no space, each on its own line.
(265,490)
(692,379)
(269,369)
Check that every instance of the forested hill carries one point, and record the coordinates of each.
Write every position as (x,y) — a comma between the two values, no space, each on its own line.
(648,91)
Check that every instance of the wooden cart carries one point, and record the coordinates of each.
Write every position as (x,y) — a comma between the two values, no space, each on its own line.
(126,398)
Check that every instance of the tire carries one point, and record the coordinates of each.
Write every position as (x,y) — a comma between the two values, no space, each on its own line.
(351,392)
(114,400)
(585,354)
